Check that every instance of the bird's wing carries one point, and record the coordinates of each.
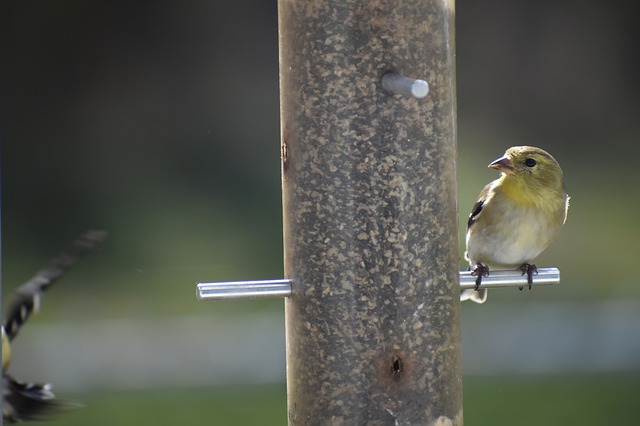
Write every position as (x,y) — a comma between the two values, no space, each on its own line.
(27,297)
(477,207)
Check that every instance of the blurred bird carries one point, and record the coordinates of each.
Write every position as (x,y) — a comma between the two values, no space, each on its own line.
(33,401)
(516,216)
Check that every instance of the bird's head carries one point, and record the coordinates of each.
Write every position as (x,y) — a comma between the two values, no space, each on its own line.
(529,164)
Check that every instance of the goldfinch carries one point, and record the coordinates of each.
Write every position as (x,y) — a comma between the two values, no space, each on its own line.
(33,401)
(516,216)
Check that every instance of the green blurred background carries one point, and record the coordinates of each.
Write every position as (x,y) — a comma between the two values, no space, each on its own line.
(159,122)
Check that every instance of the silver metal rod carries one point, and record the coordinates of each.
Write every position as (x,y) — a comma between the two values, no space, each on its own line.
(405,85)
(497,279)
(244,289)
(282,287)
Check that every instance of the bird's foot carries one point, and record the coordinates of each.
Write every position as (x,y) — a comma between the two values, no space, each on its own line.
(530,270)
(479,272)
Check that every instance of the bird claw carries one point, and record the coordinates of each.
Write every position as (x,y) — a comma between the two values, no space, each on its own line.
(479,272)
(530,270)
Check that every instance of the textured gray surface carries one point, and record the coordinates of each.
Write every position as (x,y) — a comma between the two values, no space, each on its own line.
(370,221)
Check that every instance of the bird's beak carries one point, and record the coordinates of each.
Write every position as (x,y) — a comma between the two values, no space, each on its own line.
(503,164)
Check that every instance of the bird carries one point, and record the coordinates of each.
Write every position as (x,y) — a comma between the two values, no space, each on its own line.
(34,401)
(516,217)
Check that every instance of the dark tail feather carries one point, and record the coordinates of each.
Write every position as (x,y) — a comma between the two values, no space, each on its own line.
(29,401)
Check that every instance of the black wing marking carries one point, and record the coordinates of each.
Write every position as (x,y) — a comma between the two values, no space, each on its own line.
(477,207)
(27,296)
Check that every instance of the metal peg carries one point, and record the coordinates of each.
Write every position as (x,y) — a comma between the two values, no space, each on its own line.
(498,279)
(282,287)
(244,289)
(405,85)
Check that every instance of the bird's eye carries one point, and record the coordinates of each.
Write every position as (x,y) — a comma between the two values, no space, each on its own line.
(530,162)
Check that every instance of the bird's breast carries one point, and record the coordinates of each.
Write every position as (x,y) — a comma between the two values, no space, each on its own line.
(517,236)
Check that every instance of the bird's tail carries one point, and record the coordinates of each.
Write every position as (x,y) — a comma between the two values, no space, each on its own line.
(479,296)
(29,401)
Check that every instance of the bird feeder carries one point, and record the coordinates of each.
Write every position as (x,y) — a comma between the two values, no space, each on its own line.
(368,158)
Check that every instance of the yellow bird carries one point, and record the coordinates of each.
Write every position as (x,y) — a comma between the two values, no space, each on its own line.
(34,401)
(516,216)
